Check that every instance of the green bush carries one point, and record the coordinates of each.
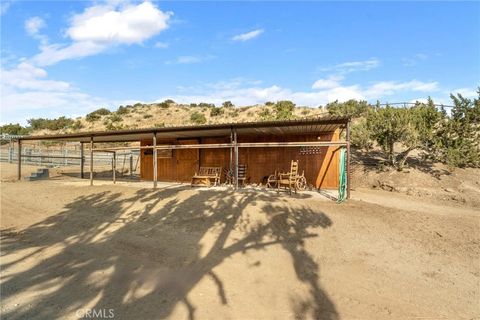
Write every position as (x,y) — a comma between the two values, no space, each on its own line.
(122,110)
(198,118)
(284,110)
(77,125)
(265,114)
(95,115)
(147,116)
(216,112)
(269,103)
(206,105)
(164,105)
(228,104)
(50,124)
(14,129)
(92,117)
(169,101)
(115,118)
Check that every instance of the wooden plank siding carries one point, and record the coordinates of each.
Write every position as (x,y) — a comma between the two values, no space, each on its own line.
(321,169)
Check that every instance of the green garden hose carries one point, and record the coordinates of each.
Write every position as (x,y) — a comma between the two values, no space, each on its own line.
(342,182)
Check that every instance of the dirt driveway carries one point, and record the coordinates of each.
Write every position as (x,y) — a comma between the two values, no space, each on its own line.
(179,253)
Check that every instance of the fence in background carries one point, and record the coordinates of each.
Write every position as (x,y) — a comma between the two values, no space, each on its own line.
(60,157)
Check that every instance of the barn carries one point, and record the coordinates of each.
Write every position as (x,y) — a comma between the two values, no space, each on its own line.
(262,147)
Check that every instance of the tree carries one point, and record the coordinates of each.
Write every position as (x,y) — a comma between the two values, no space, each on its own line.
(350,108)
(360,136)
(398,131)
(458,139)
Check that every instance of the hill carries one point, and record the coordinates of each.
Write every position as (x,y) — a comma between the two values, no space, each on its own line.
(168,113)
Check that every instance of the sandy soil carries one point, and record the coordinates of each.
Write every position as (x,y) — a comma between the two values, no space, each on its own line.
(179,253)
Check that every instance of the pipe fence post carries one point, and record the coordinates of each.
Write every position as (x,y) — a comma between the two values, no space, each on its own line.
(19,159)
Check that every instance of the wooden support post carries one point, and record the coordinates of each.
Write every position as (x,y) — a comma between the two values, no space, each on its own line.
(154,160)
(19,159)
(236,158)
(131,165)
(91,161)
(82,161)
(348,159)
(114,166)
(231,150)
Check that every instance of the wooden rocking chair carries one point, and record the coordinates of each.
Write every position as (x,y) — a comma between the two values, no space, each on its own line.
(288,180)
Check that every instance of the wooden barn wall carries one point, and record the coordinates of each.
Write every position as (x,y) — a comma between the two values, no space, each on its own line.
(321,169)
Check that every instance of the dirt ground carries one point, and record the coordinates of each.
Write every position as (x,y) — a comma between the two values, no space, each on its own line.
(176,252)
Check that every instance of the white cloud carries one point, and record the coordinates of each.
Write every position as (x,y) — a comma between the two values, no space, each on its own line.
(248,36)
(414,60)
(390,87)
(161,45)
(102,26)
(465,92)
(330,82)
(33,25)
(243,92)
(27,92)
(353,66)
(189,59)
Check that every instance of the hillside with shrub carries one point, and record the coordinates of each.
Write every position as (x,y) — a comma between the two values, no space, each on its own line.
(166,113)
(395,134)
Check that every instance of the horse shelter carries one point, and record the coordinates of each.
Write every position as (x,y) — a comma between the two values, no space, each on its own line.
(175,154)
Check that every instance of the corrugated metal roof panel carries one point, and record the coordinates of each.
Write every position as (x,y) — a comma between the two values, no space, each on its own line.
(284,127)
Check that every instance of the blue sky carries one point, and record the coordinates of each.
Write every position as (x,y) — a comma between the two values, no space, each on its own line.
(69,58)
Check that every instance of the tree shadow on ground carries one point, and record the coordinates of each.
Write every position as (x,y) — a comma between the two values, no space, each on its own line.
(141,253)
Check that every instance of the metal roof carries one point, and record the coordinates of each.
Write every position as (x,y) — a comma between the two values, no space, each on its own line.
(284,127)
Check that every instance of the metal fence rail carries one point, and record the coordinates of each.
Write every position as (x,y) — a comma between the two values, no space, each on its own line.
(66,157)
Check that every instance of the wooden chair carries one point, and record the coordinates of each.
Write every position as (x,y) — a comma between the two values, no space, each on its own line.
(206,175)
(288,180)
(242,175)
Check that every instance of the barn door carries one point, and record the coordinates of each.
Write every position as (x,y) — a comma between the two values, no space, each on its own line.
(187,161)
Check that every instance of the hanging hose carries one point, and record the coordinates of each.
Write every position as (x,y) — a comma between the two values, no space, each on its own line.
(342,183)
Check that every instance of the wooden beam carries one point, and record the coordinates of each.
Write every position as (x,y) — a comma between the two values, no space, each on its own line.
(82,160)
(154,160)
(19,159)
(91,161)
(231,145)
